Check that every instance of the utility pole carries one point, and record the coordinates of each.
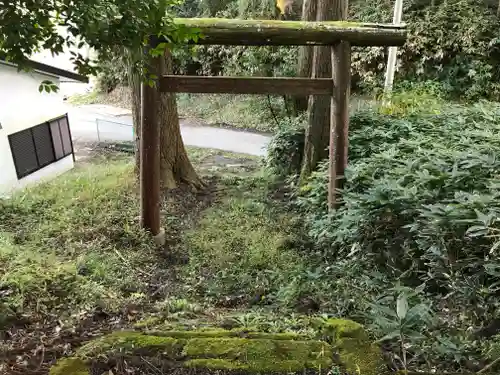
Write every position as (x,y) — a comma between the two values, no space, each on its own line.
(393,51)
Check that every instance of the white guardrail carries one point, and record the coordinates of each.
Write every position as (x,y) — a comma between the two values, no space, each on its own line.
(124,134)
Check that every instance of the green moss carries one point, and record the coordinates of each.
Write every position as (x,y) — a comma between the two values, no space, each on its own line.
(215,364)
(237,332)
(193,334)
(263,354)
(273,336)
(362,358)
(357,354)
(213,349)
(284,366)
(148,322)
(319,365)
(225,23)
(338,329)
(288,366)
(129,342)
(70,366)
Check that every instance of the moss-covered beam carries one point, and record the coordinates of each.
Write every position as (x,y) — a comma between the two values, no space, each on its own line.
(269,32)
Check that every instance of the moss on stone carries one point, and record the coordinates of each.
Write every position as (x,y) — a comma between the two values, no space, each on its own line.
(215,364)
(70,366)
(357,354)
(341,328)
(284,366)
(263,354)
(288,366)
(216,349)
(148,322)
(362,357)
(253,352)
(273,336)
(237,332)
(129,342)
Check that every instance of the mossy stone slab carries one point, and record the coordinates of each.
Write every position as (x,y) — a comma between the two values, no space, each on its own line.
(340,344)
(215,350)
(356,352)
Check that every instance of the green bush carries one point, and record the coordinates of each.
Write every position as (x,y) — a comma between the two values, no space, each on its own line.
(454,42)
(113,70)
(412,98)
(368,133)
(422,199)
(421,208)
(285,151)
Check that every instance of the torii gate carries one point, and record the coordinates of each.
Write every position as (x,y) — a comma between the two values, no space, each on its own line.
(340,35)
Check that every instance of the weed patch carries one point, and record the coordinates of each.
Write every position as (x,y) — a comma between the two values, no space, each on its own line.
(66,243)
(248,112)
(237,253)
(93,97)
(417,228)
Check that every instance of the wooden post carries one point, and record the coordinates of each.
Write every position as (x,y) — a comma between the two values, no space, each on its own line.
(339,124)
(150,152)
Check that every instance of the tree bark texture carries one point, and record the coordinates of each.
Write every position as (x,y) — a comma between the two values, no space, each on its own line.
(318,127)
(175,165)
(305,58)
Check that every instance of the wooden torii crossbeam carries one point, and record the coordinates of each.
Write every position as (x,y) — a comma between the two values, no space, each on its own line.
(340,35)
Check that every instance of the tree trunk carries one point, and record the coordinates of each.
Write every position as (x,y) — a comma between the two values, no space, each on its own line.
(175,165)
(305,59)
(318,128)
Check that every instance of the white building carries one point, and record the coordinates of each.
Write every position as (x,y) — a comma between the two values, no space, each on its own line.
(35,137)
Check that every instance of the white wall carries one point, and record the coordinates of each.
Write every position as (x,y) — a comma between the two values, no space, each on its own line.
(23,106)
(42,175)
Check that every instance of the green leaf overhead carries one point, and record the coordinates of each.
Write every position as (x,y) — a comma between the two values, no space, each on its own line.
(29,26)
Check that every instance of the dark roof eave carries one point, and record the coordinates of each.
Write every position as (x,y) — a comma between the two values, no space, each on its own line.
(57,71)
(44,68)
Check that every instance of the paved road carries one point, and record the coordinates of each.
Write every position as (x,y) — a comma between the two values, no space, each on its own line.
(115,124)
